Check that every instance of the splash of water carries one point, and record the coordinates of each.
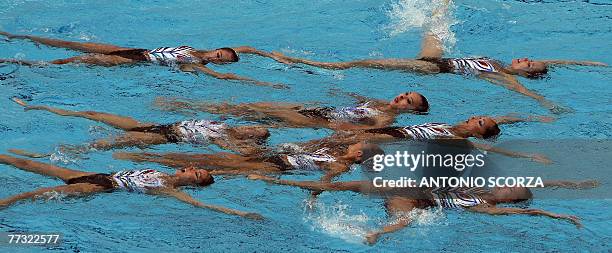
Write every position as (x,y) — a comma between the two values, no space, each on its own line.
(407,15)
(336,221)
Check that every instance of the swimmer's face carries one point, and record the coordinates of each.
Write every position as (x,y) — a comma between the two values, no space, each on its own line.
(361,151)
(410,101)
(223,56)
(528,67)
(193,176)
(482,127)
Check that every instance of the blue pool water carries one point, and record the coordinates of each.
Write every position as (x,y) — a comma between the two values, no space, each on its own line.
(322,30)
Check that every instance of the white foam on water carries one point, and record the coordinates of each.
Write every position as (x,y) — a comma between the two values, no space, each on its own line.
(337,221)
(408,15)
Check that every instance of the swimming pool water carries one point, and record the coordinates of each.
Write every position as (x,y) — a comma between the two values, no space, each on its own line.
(322,30)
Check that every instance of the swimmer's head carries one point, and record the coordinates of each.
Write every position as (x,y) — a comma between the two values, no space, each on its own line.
(511,194)
(410,102)
(219,56)
(362,151)
(191,176)
(528,68)
(482,127)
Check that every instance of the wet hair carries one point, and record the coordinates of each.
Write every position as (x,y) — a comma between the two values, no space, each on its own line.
(210,180)
(491,132)
(425,106)
(233,55)
(537,74)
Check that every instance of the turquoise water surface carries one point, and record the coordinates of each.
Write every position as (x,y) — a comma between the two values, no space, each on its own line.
(322,30)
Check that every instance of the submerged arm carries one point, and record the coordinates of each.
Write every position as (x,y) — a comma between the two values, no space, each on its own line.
(533,157)
(512,118)
(193,68)
(313,185)
(510,82)
(493,210)
(571,62)
(184,197)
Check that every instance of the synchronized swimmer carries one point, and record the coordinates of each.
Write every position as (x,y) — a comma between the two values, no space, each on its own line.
(370,113)
(82,184)
(188,59)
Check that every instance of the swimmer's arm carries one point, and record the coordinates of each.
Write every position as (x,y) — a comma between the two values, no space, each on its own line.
(355,186)
(21,62)
(588,184)
(194,68)
(493,210)
(511,83)
(372,237)
(182,196)
(252,50)
(511,119)
(569,62)
(533,157)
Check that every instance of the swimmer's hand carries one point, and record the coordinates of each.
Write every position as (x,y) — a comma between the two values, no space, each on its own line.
(253,216)
(20,102)
(572,219)
(588,184)
(540,159)
(371,238)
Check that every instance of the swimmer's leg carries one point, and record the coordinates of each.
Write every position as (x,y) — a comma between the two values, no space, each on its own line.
(42,168)
(20,62)
(587,184)
(73,190)
(493,210)
(401,220)
(78,46)
(121,122)
(431,45)
(129,139)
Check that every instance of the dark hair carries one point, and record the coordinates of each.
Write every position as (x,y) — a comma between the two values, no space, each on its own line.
(425,106)
(233,55)
(491,132)
(210,180)
(537,74)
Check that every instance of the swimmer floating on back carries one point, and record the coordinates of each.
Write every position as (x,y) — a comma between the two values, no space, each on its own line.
(242,139)
(476,127)
(430,61)
(187,58)
(371,113)
(477,200)
(82,184)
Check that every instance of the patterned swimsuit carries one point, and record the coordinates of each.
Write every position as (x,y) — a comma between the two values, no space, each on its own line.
(457,197)
(355,114)
(172,55)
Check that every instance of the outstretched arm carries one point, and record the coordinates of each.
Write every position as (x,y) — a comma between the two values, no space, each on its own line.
(588,184)
(514,118)
(510,82)
(252,50)
(194,68)
(570,62)
(182,196)
(533,157)
(493,210)
(354,186)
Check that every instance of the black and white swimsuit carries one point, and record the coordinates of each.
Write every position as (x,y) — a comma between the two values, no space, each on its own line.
(464,66)
(129,180)
(457,197)
(354,114)
(161,55)
(428,131)
(190,131)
